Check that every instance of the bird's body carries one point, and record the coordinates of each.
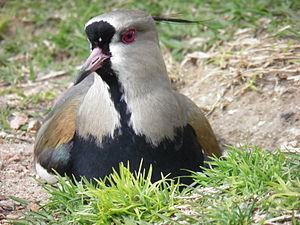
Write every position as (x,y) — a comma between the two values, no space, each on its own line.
(122,109)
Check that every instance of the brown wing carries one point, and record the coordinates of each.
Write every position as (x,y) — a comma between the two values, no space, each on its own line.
(198,121)
(59,126)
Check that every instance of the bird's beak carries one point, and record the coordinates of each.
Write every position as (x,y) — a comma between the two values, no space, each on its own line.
(95,60)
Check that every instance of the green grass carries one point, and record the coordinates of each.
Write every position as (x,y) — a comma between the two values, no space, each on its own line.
(246,171)
(250,180)
(249,185)
(5,111)
(51,32)
(121,198)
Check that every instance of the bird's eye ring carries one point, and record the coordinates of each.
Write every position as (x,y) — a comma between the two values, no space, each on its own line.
(128,36)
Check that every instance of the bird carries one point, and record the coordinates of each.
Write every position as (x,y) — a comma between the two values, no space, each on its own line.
(122,109)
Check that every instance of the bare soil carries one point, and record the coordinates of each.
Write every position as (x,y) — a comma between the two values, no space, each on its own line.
(17,179)
(249,89)
(252,96)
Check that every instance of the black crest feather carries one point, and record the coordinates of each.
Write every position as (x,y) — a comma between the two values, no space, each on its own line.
(173,20)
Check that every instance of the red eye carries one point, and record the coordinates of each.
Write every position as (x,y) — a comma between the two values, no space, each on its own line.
(128,36)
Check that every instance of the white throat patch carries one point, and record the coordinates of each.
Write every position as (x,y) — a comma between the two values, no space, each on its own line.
(97,115)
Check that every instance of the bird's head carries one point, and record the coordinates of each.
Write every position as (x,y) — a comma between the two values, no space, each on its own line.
(125,41)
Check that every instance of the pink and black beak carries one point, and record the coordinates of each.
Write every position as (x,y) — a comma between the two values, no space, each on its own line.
(99,35)
(95,61)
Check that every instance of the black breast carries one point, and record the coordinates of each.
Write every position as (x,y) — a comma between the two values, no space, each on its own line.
(169,157)
(92,161)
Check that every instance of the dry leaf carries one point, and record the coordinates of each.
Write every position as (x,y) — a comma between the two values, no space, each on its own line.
(14,158)
(33,126)
(2,197)
(199,55)
(17,120)
(33,207)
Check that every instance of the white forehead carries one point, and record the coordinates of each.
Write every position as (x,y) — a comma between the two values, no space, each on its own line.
(121,18)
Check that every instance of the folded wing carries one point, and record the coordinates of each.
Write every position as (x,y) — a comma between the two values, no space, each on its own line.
(54,139)
(198,121)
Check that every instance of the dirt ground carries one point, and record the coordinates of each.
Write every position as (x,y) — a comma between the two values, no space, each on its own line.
(249,88)
(252,96)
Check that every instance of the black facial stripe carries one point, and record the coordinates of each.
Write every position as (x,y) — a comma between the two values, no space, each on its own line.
(103,30)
